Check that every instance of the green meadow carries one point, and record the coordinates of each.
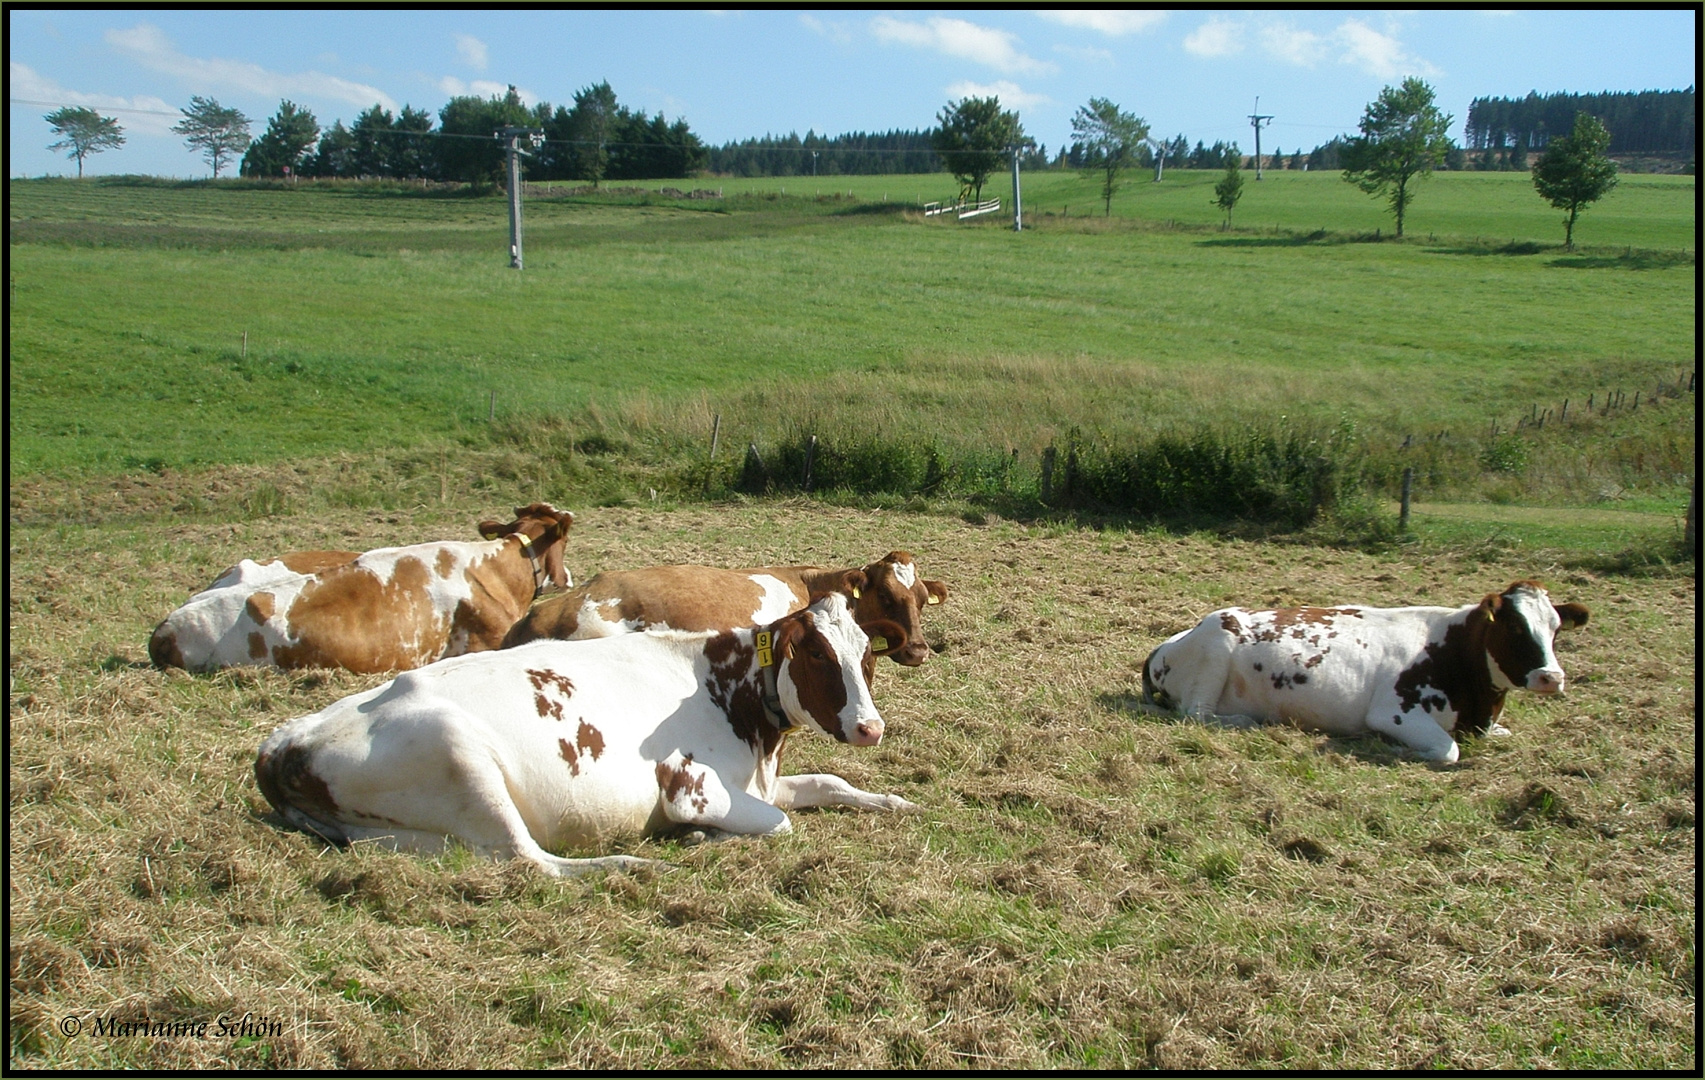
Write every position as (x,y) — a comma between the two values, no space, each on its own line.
(158,325)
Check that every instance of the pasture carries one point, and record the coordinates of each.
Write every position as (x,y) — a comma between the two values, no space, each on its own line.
(1087,885)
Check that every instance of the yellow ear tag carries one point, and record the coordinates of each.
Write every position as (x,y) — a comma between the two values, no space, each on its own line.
(877,644)
(765,654)
(933,599)
(855,592)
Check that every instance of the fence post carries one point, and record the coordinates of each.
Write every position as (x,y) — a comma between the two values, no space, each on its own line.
(810,456)
(1048,474)
(710,462)
(1403,514)
(1690,531)
(245,345)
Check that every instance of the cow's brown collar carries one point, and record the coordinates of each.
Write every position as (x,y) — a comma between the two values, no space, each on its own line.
(767,670)
(540,575)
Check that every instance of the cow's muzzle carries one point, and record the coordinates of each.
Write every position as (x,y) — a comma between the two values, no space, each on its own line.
(866,732)
(1545,681)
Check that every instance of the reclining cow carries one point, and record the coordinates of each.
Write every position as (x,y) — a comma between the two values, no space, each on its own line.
(564,744)
(707,598)
(1416,674)
(381,610)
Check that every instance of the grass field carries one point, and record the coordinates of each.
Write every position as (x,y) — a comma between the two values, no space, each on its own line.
(1087,885)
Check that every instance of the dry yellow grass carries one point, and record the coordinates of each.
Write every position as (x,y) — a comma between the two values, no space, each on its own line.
(1087,886)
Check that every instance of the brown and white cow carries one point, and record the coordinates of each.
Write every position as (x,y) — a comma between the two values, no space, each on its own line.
(1416,674)
(381,610)
(707,598)
(564,744)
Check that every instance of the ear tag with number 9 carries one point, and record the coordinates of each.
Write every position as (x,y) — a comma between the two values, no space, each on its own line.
(763,642)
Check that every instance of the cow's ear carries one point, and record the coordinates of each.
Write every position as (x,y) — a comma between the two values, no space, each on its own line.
(1574,616)
(788,633)
(492,530)
(853,583)
(937,591)
(1491,605)
(886,636)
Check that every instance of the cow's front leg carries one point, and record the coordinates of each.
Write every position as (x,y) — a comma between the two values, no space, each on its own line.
(1414,729)
(826,789)
(693,794)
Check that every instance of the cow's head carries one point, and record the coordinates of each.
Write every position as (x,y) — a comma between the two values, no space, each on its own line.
(1521,625)
(893,592)
(542,529)
(823,666)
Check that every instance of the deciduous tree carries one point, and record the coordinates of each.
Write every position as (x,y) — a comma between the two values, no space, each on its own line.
(1110,138)
(1403,137)
(220,134)
(975,138)
(1574,172)
(1230,187)
(83,132)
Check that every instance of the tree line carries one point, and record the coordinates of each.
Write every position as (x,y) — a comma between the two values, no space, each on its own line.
(1648,122)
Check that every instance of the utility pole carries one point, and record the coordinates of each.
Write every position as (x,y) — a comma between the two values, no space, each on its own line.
(1017,202)
(511,137)
(1159,149)
(1257,119)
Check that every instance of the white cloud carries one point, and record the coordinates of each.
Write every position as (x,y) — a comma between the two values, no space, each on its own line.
(1377,53)
(484,88)
(137,115)
(1011,96)
(473,51)
(956,37)
(149,47)
(1353,43)
(834,31)
(1304,48)
(1113,23)
(1216,37)
(1088,53)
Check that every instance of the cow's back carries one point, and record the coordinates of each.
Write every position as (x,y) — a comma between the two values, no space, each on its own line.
(1319,668)
(691,598)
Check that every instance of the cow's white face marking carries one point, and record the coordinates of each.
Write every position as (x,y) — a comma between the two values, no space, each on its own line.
(777,601)
(1542,621)
(906,574)
(834,621)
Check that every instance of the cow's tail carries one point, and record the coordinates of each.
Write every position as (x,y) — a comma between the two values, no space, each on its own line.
(1154,696)
(293,790)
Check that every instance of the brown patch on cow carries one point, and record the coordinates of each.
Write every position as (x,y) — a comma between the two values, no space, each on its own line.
(347,618)
(257,645)
(288,781)
(1456,669)
(735,686)
(445,562)
(591,740)
(547,680)
(676,782)
(259,607)
(567,752)
(163,647)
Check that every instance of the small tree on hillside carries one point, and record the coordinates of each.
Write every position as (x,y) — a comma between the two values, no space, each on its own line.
(974,139)
(1574,171)
(83,132)
(1111,139)
(289,138)
(1230,187)
(1403,138)
(219,133)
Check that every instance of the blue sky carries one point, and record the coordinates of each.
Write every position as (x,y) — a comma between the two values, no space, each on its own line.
(734,74)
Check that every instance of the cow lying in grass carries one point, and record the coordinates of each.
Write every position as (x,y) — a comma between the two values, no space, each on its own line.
(1416,674)
(558,744)
(381,610)
(706,598)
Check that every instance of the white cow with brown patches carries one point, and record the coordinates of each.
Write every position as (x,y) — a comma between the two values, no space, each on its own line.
(382,610)
(558,745)
(1415,674)
(707,598)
